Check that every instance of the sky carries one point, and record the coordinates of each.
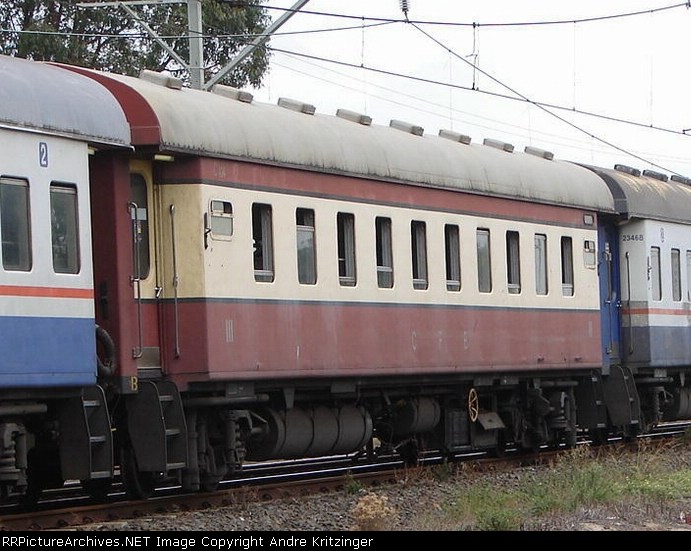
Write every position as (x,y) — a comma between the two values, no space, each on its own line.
(600,87)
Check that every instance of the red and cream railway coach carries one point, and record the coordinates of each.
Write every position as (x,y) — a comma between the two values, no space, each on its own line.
(309,282)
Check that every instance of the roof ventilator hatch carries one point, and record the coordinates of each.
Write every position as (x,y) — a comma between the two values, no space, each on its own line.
(298,106)
(627,170)
(497,144)
(656,175)
(354,117)
(454,136)
(681,179)
(161,79)
(530,150)
(232,93)
(407,127)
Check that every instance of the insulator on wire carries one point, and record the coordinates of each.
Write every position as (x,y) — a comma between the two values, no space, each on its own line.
(405,6)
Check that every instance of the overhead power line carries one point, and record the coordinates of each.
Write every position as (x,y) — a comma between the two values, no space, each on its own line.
(516,97)
(505,24)
(541,106)
(483,92)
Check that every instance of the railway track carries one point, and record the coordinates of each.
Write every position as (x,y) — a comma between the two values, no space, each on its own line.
(68,508)
(62,512)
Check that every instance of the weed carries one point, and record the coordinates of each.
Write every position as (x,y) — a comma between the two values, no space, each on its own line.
(372,512)
(351,486)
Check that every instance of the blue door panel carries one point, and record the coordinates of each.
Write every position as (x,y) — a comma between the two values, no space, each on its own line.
(610,294)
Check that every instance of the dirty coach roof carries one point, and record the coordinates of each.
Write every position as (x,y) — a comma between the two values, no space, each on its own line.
(39,97)
(227,123)
(648,194)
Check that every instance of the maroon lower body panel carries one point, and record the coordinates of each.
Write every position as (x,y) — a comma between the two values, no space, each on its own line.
(258,340)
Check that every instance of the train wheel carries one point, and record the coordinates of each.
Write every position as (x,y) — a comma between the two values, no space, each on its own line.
(210,483)
(499,450)
(31,496)
(138,485)
(410,457)
(598,436)
(571,435)
(43,471)
(410,452)
(97,488)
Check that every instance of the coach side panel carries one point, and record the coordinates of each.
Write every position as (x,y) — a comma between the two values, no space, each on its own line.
(656,293)
(316,275)
(46,289)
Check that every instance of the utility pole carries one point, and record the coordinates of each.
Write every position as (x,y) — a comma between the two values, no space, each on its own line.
(247,50)
(195,66)
(194,24)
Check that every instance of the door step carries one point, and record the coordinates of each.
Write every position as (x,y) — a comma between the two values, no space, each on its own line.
(86,442)
(157,427)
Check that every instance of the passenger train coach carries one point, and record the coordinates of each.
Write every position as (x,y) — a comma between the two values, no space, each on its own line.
(235,281)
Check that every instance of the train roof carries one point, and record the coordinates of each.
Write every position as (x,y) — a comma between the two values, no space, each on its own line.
(227,123)
(648,194)
(39,97)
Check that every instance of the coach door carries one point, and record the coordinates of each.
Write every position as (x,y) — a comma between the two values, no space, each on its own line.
(147,350)
(610,296)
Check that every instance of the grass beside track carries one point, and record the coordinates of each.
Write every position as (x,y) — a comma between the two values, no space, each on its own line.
(582,478)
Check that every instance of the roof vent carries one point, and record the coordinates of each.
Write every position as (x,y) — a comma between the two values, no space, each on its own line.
(161,79)
(407,127)
(232,93)
(498,145)
(454,136)
(656,175)
(298,106)
(627,169)
(680,179)
(354,117)
(539,152)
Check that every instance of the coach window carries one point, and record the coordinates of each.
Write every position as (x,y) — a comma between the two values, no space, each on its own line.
(676,275)
(589,256)
(484,266)
(262,235)
(14,224)
(64,228)
(655,279)
(541,264)
(221,219)
(140,225)
(513,263)
(452,245)
(384,252)
(688,275)
(345,226)
(307,252)
(566,266)
(418,242)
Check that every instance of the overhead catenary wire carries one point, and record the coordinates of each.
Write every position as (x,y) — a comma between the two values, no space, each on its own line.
(374,22)
(514,95)
(497,24)
(544,108)
(480,91)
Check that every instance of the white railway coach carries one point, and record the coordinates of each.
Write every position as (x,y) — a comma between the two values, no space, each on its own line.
(648,275)
(49,120)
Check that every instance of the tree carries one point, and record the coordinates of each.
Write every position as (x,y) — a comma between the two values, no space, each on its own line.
(109,38)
